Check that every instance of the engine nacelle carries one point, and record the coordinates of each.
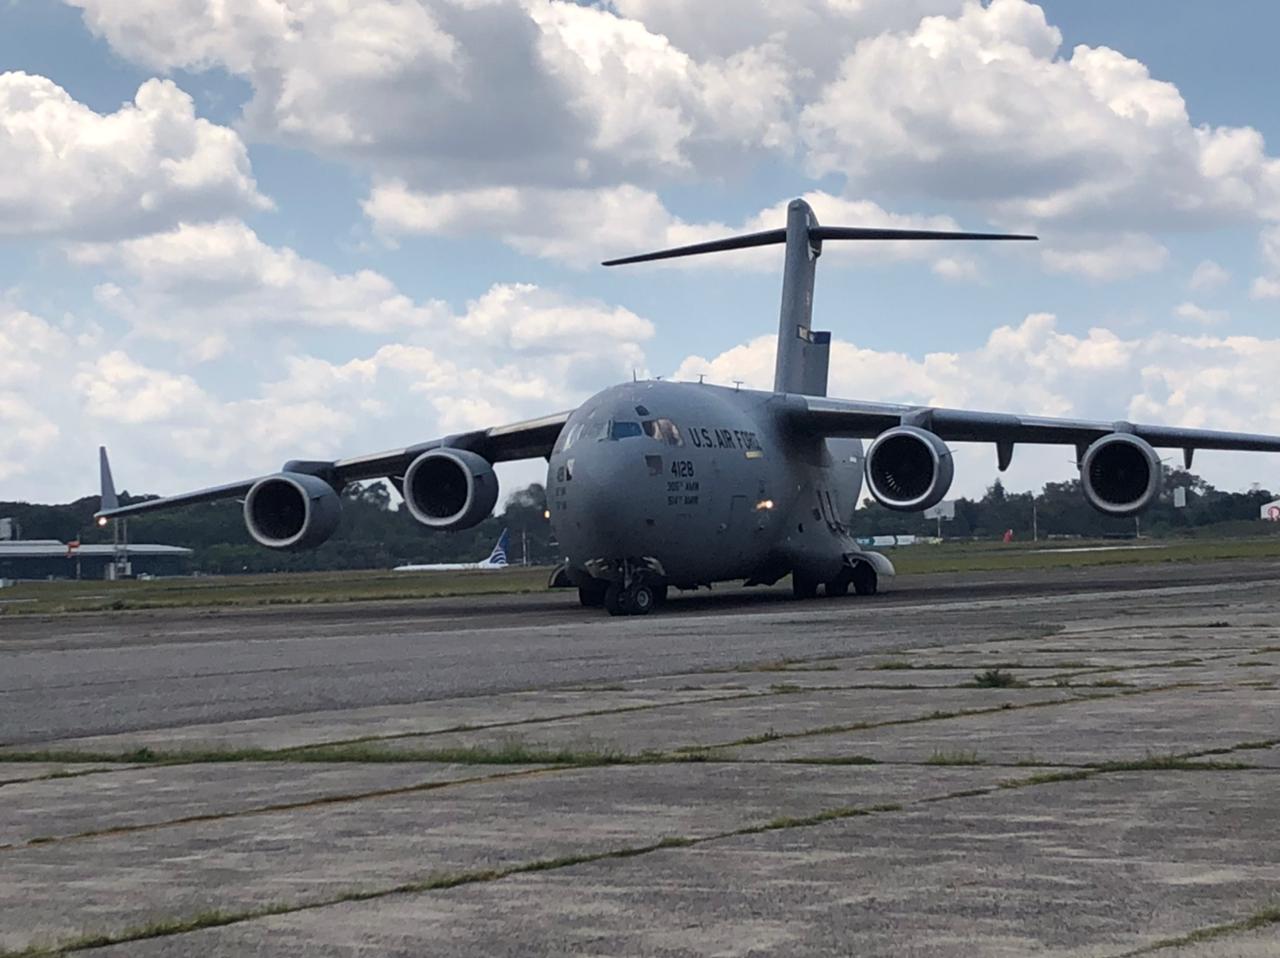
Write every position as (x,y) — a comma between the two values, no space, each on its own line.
(291,511)
(909,469)
(1120,474)
(450,488)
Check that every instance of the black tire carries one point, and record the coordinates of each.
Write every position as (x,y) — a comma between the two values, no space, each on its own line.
(839,586)
(641,598)
(591,595)
(616,600)
(865,580)
(803,586)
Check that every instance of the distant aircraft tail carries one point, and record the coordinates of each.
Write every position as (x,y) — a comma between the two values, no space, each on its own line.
(499,554)
(108,486)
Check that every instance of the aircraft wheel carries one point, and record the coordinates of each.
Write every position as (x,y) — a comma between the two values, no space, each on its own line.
(617,601)
(591,595)
(803,586)
(839,585)
(642,598)
(864,579)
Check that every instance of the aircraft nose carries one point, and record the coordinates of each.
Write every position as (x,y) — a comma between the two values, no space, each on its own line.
(601,482)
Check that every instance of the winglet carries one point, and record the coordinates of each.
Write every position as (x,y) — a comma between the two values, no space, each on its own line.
(109,500)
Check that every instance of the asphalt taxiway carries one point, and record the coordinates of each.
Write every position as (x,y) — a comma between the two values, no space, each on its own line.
(1076,762)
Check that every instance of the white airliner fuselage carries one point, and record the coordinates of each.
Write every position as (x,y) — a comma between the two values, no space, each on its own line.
(497,560)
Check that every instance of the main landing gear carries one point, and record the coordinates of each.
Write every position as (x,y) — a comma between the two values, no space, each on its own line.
(861,577)
(641,597)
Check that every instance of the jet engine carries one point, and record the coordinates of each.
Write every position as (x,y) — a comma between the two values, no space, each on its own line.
(1120,474)
(909,469)
(450,488)
(291,511)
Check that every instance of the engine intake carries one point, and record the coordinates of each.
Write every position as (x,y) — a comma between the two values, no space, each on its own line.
(450,488)
(291,511)
(1120,474)
(909,469)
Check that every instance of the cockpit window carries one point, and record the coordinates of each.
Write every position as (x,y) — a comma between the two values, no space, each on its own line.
(581,432)
(624,430)
(664,430)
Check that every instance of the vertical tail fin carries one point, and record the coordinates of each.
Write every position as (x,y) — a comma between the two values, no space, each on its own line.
(499,554)
(803,353)
(108,486)
(801,365)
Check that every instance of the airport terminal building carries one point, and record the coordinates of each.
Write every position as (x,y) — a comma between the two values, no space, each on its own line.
(51,559)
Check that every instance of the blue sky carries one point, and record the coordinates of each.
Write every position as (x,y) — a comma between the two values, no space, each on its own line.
(333,227)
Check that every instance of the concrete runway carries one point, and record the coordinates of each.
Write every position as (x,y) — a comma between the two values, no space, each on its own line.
(738,775)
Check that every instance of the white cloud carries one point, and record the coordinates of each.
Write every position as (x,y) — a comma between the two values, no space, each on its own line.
(803,28)
(30,349)
(1201,381)
(1268,285)
(206,285)
(117,387)
(1198,314)
(1208,275)
(981,107)
(71,172)
(1106,257)
(514,352)
(200,283)
(545,91)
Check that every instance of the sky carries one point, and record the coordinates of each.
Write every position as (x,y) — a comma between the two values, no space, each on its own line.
(235,232)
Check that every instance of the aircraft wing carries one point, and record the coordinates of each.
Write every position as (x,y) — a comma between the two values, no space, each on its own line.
(530,439)
(841,417)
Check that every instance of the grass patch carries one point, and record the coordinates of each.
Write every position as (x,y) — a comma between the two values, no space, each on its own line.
(1259,919)
(785,665)
(1048,778)
(277,589)
(996,679)
(503,753)
(1015,557)
(1163,763)
(818,818)
(960,757)
(1110,684)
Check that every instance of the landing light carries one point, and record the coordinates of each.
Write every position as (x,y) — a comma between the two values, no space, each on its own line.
(546,513)
(102,520)
(764,504)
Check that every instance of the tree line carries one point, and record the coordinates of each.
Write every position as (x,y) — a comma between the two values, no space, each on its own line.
(371,534)
(1060,509)
(375,535)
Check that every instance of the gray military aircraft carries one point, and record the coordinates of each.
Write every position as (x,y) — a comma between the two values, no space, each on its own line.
(655,484)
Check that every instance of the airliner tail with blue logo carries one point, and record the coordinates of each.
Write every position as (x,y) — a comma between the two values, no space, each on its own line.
(497,560)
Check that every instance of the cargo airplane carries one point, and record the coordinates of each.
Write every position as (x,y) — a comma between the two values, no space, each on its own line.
(657,484)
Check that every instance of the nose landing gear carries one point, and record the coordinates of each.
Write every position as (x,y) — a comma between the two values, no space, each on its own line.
(641,597)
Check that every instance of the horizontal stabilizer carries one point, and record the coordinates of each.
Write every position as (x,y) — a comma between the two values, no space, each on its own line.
(816,235)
